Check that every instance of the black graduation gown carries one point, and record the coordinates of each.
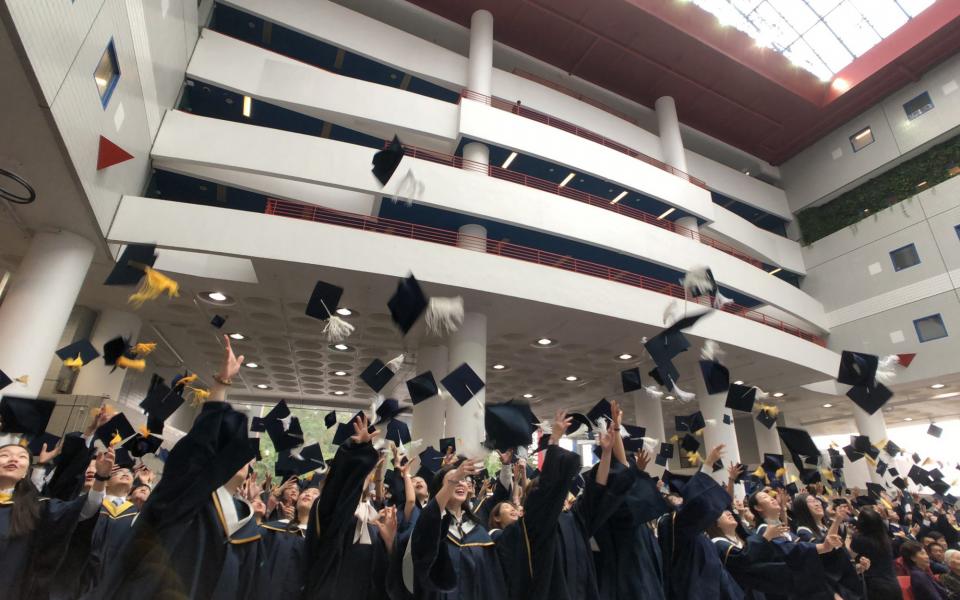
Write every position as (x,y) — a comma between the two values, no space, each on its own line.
(113,527)
(281,562)
(446,568)
(838,568)
(396,586)
(755,566)
(485,506)
(67,584)
(337,568)
(28,563)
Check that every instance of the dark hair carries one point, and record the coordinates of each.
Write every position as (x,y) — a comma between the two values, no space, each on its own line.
(26,506)
(436,484)
(495,514)
(753,501)
(908,550)
(870,525)
(802,517)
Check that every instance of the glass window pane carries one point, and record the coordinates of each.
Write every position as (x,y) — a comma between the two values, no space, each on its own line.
(918,106)
(798,14)
(802,55)
(773,27)
(905,257)
(745,6)
(859,38)
(828,47)
(822,7)
(885,16)
(915,7)
(106,74)
(930,328)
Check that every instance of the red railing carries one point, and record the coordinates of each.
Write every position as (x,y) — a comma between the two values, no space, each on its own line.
(309,212)
(567,192)
(518,109)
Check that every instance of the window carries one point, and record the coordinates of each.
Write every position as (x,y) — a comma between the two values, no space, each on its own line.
(904,257)
(918,106)
(107,74)
(930,328)
(861,139)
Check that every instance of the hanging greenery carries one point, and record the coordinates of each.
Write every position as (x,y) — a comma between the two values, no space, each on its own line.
(937,164)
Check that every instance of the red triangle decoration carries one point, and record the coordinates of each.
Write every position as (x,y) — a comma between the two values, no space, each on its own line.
(906,359)
(110,154)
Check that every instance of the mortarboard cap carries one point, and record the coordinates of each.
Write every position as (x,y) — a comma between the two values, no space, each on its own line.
(893,472)
(675,482)
(696,422)
(36,443)
(881,467)
(939,487)
(422,387)
(508,425)
(661,460)
(798,441)
(323,300)
(681,423)
(860,443)
(936,474)
(130,266)
(727,418)
(218,321)
(600,410)
(117,426)
(809,476)
(655,374)
(873,452)
(792,488)
(861,501)
(836,461)
(377,375)
(717,465)
(448,445)
(633,441)
(388,409)
(934,430)
(28,416)
(83,349)
(630,379)
(741,397)
(114,349)
(139,445)
(899,482)
(852,453)
(407,304)
(286,439)
(430,460)
(330,419)
(874,489)
(4,380)
(857,369)
(123,459)
(916,457)
(463,383)
(870,398)
(689,443)
(160,403)
(772,462)
(891,448)
(715,376)
(279,412)
(343,433)
(666,450)
(398,432)
(919,475)
(386,161)
(766,419)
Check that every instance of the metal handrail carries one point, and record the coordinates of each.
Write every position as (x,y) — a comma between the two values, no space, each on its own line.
(414,231)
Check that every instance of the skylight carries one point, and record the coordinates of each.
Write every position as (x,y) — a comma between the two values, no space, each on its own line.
(821,36)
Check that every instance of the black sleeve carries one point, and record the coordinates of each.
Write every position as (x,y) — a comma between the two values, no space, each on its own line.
(599,502)
(332,512)
(485,506)
(545,502)
(432,566)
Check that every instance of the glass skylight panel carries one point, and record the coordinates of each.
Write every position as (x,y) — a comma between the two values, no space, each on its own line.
(823,7)
(884,15)
(802,55)
(915,7)
(828,47)
(774,29)
(797,13)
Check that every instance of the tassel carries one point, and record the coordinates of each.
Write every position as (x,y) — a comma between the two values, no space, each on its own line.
(828,475)
(23,380)
(410,182)
(761,395)
(760,473)
(186,380)
(671,313)
(286,422)
(674,439)
(711,351)
(128,363)
(683,396)
(772,411)
(144,430)
(395,364)
(927,462)
(116,439)
(694,458)
(697,281)
(143,349)
(885,369)
(780,472)
(198,396)
(653,392)
(870,460)
(337,329)
(444,315)
(719,300)
(74,363)
(153,286)
(699,432)
(881,444)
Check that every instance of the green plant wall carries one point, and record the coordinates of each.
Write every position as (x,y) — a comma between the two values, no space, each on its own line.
(899,183)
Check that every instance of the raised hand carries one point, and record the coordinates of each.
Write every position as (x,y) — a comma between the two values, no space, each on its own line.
(360,426)
(605,439)
(387,524)
(144,474)
(560,424)
(506,457)
(466,469)
(715,454)
(104,462)
(617,413)
(734,471)
(288,511)
(772,532)
(449,458)
(46,455)
(231,362)
(643,459)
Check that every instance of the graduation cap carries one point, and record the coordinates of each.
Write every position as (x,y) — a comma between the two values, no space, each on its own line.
(117,353)
(330,419)
(448,445)
(310,458)
(4,380)
(689,443)
(285,438)
(37,442)
(633,441)
(430,462)
(463,383)
(114,431)
(398,432)
(874,490)
(741,397)
(130,266)
(893,472)
(160,403)
(810,476)
(78,354)
(860,443)
(881,467)
(799,443)
(218,321)
(661,460)
(630,380)
(28,416)
(934,430)
(139,444)
(936,474)
(891,448)
(861,501)
(772,462)
(852,453)
(836,461)
(717,465)
(407,303)
(766,419)
(508,425)
(916,457)
(899,483)
(919,476)
(939,487)
(666,345)
(857,368)
(870,398)
(280,412)
(655,374)
(323,300)
(792,488)
(422,387)
(386,161)
(674,481)
(600,410)
(715,376)
(388,409)
(377,375)
(343,433)
(666,450)
(122,459)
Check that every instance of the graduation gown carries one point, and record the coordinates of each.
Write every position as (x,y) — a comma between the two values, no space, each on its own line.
(838,567)
(111,530)
(755,566)
(338,568)
(67,584)
(28,563)
(281,561)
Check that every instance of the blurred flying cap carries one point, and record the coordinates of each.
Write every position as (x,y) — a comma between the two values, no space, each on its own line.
(857,368)
(114,431)
(431,460)
(860,443)
(4,380)
(289,438)
(323,300)
(916,457)
(874,490)
(279,412)
(386,161)
(633,441)
(937,474)
(919,476)
(666,450)
(899,483)
(388,409)
(330,419)
(939,487)
(861,501)
(161,402)
(508,425)
(689,443)
(715,376)
(398,432)
(28,416)
(881,467)
(681,423)
(893,472)
(463,383)
(314,454)
(934,430)
(630,379)
(343,433)
(891,448)
(696,422)
(447,445)
(114,349)
(578,420)
(799,443)
(772,462)
(741,397)
(675,482)
(37,442)
(407,303)
(873,452)
(82,349)
(130,266)
(727,419)
(422,387)
(870,398)
(766,419)
(218,321)
(377,375)
(792,488)
(123,459)
(600,410)
(661,460)
(139,445)
(809,476)
(655,375)
(852,453)
(836,461)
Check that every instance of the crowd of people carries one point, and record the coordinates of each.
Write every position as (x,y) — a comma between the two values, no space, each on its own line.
(80,525)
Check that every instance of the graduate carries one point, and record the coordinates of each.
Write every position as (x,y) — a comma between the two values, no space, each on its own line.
(113,524)
(843,575)
(282,558)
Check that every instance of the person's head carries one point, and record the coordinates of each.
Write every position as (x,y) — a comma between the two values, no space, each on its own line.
(807,511)
(503,515)
(15,464)
(461,489)
(290,495)
(675,500)
(936,552)
(927,539)
(725,526)
(89,475)
(952,559)
(938,538)
(305,503)
(764,505)
(120,482)
(870,524)
(139,494)
(914,555)
(420,489)
(893,516)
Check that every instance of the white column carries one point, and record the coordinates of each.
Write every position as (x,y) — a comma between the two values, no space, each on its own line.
(468,345)
(648,413)
(690,227)
(429,415)
(875,428)
(480,63)
(97,379)
(476,157)
(718,432)
(768,440)
(668,126)
(472,237)
(37,307)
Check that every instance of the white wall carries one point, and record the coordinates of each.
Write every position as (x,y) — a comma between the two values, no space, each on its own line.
(740,233)
(829,166)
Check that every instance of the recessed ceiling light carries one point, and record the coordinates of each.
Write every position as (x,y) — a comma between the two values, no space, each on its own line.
(625,356)
(669,398)
(571,378)
(252,365)
(908,418)
(498,367)
(775,271)
(339,373)
(738,382)
(528,396)
(937,386)
(217,296)
(263,386)
(946,395)
(828,405)
(778,395)
(339,393)
(545,342)
(237,336)
(344,312)
(340,347)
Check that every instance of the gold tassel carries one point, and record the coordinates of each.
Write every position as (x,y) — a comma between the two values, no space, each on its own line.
(881,444)
(128,363)
(771,410)
(23,380)
(23,442)
(198,396)
(694,458)
(927,461)
(74,363)
(870,460)
(699,432)
(143,349)
(153,286)
(144,430)
(674,439)
(760,473)
(781,472)
(886,503)
(116,439)
(828,475)
(184,381)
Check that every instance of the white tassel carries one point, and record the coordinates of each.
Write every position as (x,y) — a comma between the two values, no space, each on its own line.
(411,183)
(719,300)
(696,282)
(286,422)
(683,396)
(761,395)
(711,351)
(650,444)
(710,421)
(395,364)
(444,315)
(337,329)
(295,452)
(653,392)
(885,369)
(672,313)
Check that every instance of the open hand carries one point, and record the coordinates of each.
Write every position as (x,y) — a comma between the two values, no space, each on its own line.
(772,532)
(715,454)
(104,462)
(46,455)
(231,362)
(643,459)
(560,424)
(387,524)
(360,426)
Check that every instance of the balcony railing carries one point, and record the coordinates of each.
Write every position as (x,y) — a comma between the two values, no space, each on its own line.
(309,212)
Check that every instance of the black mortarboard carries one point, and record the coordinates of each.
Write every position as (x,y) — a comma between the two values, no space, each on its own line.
(772,462)
(766,419)
(218,321)
(28,416)
(741,397)
(811,460)
(130,266)
(463,383)
(661,460)
(836,461)
(508,425)
(934,430)
(881,467)
(681,423)
(870,398)
(727,419)
(655,374)
(386,161)
(630,379)
(633,441)
(290,466)
(600,410)
(114,349)
(919,475)
(715,376)
(874,489)
(139,445)
(891,448)
(160,403)
(407,303)
(857,369)
(916,457)
(543,442)
(446,444)
(4,380)
(717,465)
(323,300)
(939,487)
(860,443)
(873,452)
(852,453)
(675,482)
(330,419)
(422,387)
(377,375)
(343,433)
(388,409)
(118,425)
(313,453)
(84,349)
(689,443)
(430,462)
(37,442)
(899,482)
(937,474)
(809,476)
(798,440)
(666,449)
(288,439)
(123,459)
(861,501)
(792,488)
(279,412)
(398,432)
(893,472)
(696,422)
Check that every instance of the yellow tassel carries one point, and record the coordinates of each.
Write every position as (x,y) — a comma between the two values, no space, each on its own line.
(771,410)
(781,472)
(106,408)
(183,381)
(772,493)
(74,363)
(760,472)
(694,458)
(870,460)
(198,396)
(144,430)
(927,461)
(699,432)
(23,442)
(881,444)
(793,479)
(828,474)
(23,380)
(116,439)
(886,503)
(675,439)
(153,286)
(834,445)
(143,349)
(128,363)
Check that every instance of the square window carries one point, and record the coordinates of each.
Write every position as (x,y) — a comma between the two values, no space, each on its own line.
(918,106)
(861,139)
(107,74)
(904,257)
(930,328)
